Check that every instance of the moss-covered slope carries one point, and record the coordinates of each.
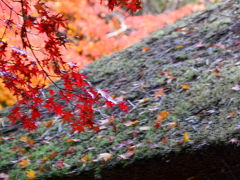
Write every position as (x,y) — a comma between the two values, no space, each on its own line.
(189,70)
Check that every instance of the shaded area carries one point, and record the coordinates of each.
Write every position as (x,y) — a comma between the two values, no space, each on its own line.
(216,162)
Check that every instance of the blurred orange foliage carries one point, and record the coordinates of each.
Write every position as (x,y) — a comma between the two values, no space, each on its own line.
(94,31)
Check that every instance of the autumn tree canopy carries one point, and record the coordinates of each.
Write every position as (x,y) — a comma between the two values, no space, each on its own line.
(35,52)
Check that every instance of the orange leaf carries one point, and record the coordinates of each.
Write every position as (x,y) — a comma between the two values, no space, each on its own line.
(162,115)
(73,140)
(164,139)
(31,175)
(24,163)
(86,158)
(131,123)
(185,86)
(24,138)
(159,92)
(52,155)
(141,101)
(145,49)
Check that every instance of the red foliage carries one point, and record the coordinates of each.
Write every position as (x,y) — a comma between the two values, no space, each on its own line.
(40,51)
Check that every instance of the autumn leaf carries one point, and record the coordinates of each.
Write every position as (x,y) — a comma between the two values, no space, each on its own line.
(131,123)
(144,128)
(164,139)
(128,154)
(172,124)
(30,174)
(60,164)
(141,101)
(71,150)
(105,156)
(4,176)
(185,86)
(145,49)
(186,137)
(24,139)
(52,155)
(73,140)
(85,158)
(236,88)
(24,163)
(159,93)
(162,115)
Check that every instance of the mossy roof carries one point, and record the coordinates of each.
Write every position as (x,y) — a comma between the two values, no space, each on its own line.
(189,70)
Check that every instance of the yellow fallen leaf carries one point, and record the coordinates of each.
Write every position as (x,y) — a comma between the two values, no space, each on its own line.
(131,123)
(162,115)
(105,156)
(86,158)
(24,138)
(30,174)
(141,101)
(186,137)
(24,163)
(185,86)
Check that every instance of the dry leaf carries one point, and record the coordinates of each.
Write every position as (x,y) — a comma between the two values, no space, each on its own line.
(186,137)
(159,93)
(24,139)
(52,155)
(145,49)
(24,163)
(4,176)
(185,86)
(71,150)
(141,101)
(127,155)
(30,174)
(172,124)
(105,156)
(85,158)
(131,123)
(144,128)
(72,140)
(162,115)
(164,139)
(236,88)
(60,164)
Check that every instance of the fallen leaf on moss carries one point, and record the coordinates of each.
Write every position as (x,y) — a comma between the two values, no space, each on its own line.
(105,156)
(185,86)
(141,101)
(162,115)
(4,176)
(60,164)
(73,140)
(128,154)
(164,139)
(71,150)
(159,93)
(24,139)
(24,163)
(85,158)
(186,137)
(30,174)
(131,123)
(236,88)
(144,128)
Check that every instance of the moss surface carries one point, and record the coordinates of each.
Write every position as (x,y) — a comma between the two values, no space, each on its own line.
(200,51)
